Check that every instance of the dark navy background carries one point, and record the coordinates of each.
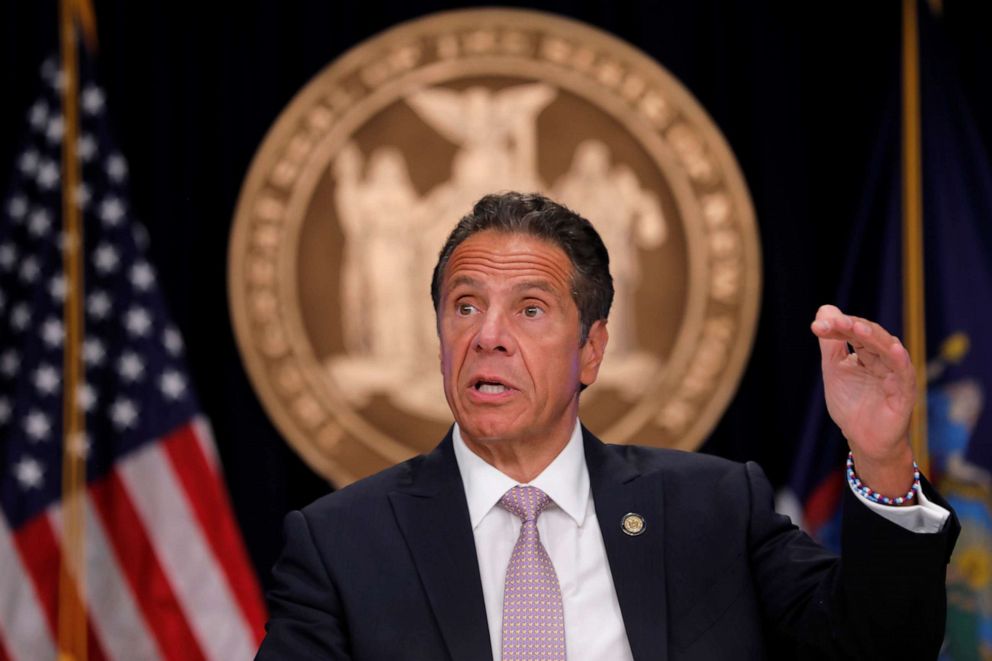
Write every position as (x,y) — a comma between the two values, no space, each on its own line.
(800,94)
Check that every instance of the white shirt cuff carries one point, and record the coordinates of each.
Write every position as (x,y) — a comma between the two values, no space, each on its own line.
(924,517)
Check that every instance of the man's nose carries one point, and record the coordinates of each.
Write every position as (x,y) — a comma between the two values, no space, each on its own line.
(494,333)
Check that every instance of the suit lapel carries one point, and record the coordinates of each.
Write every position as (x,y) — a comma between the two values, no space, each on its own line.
(637,563)
(433,516)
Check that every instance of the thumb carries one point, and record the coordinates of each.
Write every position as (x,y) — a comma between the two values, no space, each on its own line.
(832,351)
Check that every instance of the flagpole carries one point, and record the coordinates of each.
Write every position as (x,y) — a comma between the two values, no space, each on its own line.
(914,321)
(72,615)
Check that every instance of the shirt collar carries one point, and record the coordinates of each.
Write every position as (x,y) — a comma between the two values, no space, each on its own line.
(565,480)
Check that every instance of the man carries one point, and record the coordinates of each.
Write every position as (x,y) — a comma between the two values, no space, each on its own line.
(522,536)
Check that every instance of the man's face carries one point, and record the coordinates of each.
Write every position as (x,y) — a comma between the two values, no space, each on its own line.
(509,329)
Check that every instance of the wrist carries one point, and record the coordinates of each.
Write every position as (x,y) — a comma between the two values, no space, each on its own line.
(878,496)
(887,471)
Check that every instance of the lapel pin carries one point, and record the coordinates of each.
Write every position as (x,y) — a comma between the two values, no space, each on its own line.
(633,524)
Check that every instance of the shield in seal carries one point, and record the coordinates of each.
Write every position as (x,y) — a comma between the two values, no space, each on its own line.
(355,187)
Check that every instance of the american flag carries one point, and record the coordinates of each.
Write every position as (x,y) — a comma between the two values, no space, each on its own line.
(166,571)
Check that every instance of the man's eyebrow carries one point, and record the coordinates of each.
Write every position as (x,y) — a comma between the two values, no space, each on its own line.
(460,280)
(542,285)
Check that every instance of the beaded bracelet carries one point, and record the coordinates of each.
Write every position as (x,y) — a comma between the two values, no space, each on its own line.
(873,495)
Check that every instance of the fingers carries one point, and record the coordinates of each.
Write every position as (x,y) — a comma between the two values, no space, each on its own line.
(833,345)
(876,348)
(832,349)
(876,364)
(832,324)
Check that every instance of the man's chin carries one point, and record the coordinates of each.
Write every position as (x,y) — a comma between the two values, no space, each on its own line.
(487,431)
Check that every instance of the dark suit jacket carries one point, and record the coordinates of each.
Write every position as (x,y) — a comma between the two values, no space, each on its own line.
(386,569)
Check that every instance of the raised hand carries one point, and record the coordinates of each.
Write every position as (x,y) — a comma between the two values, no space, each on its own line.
(870,395)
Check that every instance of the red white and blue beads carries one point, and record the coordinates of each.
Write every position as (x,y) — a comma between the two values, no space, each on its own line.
(873,495)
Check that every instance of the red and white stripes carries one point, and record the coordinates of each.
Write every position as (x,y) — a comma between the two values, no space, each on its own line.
(167,576)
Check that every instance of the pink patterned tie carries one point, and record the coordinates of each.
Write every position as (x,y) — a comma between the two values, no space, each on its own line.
(533,618)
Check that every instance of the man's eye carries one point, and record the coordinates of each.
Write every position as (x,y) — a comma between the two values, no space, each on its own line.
(533,311)
(465,309)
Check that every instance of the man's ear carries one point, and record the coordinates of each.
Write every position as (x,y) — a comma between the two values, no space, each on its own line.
(591,353)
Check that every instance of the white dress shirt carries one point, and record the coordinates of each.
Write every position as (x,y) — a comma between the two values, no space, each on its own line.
(925,516)
(570,533)
(569,530)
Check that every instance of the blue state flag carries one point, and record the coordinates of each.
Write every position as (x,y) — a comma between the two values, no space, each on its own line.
(957,201)
(957,205)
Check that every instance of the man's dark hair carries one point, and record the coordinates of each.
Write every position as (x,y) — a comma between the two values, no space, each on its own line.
(538,216)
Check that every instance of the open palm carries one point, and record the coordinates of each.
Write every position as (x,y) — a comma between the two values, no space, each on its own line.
(871,392)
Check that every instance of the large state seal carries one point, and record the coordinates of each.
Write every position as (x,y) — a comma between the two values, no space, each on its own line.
(355,187)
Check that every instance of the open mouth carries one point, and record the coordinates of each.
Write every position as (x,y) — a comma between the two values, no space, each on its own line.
(490,387)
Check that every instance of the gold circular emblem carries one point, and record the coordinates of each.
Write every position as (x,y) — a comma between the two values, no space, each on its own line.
(633,524)
(361,178)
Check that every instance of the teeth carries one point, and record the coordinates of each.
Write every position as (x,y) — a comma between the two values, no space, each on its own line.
(491,388)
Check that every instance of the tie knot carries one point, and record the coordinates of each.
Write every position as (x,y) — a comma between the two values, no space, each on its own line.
(525,502)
